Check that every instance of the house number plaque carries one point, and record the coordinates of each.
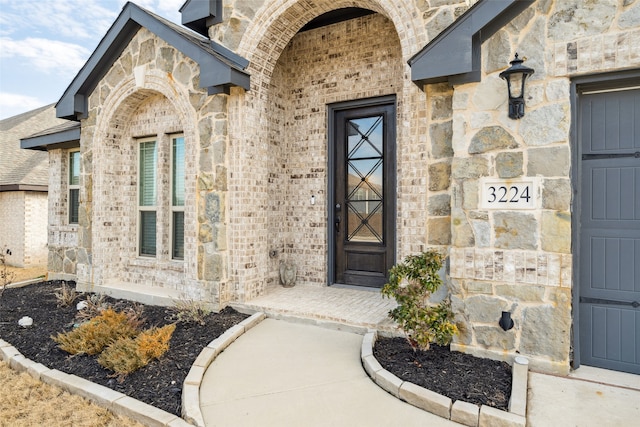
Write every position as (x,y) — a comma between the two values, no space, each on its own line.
(509,193)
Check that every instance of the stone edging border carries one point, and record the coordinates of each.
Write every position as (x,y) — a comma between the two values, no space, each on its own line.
(459,411)
(122,404)
(191,411)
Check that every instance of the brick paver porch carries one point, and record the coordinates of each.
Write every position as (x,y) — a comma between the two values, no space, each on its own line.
(355,307)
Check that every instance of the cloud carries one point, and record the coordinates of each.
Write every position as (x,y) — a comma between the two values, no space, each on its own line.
(45,54)
(168,9)
(72,19)
(12,104)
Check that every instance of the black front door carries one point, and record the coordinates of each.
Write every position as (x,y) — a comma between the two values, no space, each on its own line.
(365,193)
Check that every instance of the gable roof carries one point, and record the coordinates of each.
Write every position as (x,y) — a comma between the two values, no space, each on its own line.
(220,68)
(454,54)
(22,170)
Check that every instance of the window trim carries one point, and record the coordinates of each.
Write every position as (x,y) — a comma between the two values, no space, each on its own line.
(71,186)
(174,208)
(141,208)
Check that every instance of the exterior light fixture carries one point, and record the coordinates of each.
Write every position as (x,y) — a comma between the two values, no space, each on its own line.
(515,77)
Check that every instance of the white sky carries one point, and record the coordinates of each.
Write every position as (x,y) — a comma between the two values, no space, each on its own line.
(44,43)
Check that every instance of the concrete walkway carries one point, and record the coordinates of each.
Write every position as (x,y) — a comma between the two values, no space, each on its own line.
(580,400)
(281,373)
(288,374)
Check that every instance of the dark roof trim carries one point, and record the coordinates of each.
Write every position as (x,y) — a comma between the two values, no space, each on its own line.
(199,15)
(24,187)
(454,55)
(66,135)
(220,68)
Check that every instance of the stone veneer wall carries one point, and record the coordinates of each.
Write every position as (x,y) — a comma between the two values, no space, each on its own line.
(62,236)
(162,98)
(520,261)
(248,149)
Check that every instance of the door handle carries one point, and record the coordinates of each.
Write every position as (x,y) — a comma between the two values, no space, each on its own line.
(337,224)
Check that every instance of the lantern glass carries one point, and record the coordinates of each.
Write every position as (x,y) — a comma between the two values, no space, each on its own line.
(516,85)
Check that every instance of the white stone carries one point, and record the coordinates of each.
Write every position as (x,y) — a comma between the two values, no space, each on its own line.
(480,119)
(558,90)
(545,125)
(491,94)
(25,321)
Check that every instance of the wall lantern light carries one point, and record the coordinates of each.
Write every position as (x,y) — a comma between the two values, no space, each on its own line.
(515,77)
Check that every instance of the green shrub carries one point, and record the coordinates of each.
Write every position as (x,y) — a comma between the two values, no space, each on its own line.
(410,283)
(96,334)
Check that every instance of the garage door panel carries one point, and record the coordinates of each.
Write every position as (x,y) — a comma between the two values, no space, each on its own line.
(611,188)
(609,230)
(612,122)
(610,261)
(610,339)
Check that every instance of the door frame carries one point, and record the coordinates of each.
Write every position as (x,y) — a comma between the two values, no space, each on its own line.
(332,109)
(594,82)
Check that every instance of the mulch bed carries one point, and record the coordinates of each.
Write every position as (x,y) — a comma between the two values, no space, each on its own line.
(458,376)
(158,384)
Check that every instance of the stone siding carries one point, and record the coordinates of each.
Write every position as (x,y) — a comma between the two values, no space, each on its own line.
(254,159)
(520,260)
(160,99)
(62,237)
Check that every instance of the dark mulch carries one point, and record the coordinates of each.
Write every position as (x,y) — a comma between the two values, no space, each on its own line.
(159,383)
(456,375)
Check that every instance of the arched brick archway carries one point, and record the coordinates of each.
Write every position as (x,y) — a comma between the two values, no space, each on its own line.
(258,131)
(276,24)
(127,113)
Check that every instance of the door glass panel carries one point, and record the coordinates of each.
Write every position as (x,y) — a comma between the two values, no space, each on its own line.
(365,137)
(364,221)
(365,180)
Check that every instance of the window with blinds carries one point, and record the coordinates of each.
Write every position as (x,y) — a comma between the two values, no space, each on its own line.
(74,186)
(177,197)
(147,198)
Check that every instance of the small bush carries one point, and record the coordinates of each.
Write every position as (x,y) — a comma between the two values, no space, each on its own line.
(96,334)
(410,283)
(153,343)
(126,355)
(121,357)
(188,310)
(65,295)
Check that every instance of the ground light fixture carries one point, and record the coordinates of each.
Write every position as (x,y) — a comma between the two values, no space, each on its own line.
(515,77)
(506,322)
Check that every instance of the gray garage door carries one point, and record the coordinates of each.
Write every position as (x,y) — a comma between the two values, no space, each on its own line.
(609,264)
